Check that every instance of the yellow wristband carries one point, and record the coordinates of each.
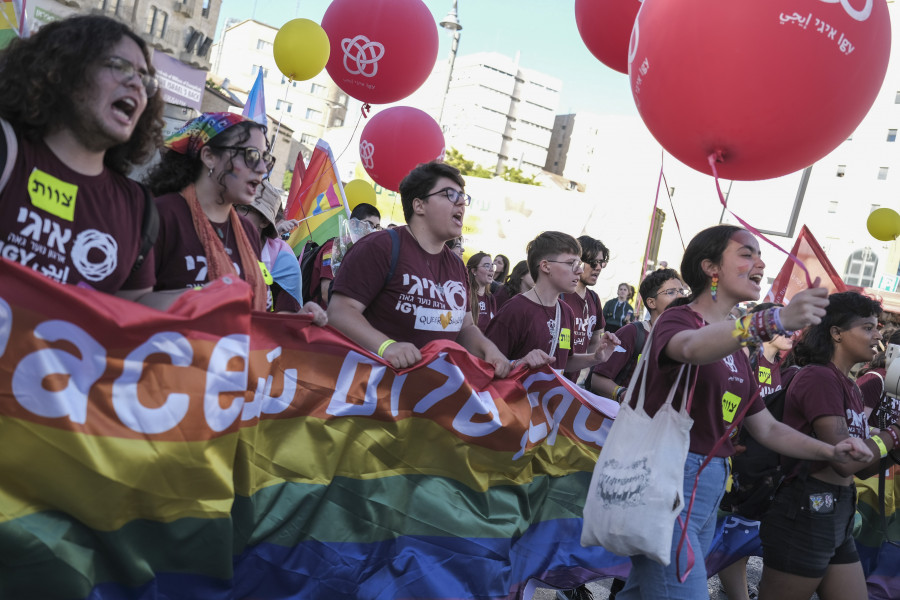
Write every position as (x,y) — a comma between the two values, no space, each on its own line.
(384,346)
(880,443)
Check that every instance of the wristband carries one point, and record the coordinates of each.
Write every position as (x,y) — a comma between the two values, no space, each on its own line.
(880,443)
(384,346)
(894,437)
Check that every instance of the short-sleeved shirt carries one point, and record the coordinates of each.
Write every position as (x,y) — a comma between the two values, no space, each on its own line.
(321,270)
(823,391)
(521,326)
(588,320)
(76,229)
(426,299)
(768,375)
(871,384)
(722,386)
(487,308)
(622,361)
(501,296)
(179,254)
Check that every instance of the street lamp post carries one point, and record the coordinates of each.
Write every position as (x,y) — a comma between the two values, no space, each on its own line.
(450,23)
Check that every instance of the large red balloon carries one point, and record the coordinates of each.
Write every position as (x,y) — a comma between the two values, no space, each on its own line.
(397,139)
(773,86)
(605,26)
(381,50)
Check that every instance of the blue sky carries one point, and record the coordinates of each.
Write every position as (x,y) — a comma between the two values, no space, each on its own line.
(543,31)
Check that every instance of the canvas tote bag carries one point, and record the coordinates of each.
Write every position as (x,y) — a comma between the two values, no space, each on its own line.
(636,491)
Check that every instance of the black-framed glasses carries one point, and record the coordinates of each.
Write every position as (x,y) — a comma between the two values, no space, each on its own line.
(574,264)
(596,263)
(672,292)
(243,209)
(252,156)
(124,70)
(372,226)
(456,197)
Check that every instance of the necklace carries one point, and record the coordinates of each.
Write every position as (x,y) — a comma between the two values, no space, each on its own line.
(224,233)
(552,322)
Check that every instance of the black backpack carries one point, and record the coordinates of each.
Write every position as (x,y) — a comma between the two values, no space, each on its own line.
(757,472)
(640,338)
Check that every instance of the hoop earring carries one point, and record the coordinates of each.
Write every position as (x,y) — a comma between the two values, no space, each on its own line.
(713,287)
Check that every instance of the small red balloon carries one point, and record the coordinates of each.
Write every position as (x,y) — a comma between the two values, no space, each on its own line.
(381,50)
(771,86)
(605,26)
(397,139)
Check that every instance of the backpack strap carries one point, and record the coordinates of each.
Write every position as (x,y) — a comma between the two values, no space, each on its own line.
(149,229)
(8,152)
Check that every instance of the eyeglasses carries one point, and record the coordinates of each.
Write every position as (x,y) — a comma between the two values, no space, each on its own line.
(574,264)
(672,292)
(123,70)
(252,156)
(243,209)
(597,263)
(487,266)
(374,226)
(454,196)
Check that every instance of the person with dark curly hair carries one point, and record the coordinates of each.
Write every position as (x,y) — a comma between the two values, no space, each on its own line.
(78,109)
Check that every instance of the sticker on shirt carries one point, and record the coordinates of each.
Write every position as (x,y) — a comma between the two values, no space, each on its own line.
(53,195)
(730,403)
(565,339)
(765,375)
(437,319)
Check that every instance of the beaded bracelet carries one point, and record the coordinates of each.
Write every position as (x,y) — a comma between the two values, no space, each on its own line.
(894,437)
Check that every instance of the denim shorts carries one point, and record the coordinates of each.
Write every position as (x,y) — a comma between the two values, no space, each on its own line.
(800,536)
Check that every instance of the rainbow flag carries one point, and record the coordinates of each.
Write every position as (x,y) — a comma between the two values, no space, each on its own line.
(316,191)
(12,21)
(255,107)
(208,452)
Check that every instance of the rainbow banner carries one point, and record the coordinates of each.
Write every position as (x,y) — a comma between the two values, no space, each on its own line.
(210,453)
(316,191)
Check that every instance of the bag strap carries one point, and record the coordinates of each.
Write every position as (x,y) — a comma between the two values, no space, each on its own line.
(149,229)
(555,341)
(8,153)
(395,258)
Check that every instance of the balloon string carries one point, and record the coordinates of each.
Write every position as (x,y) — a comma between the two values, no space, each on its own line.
(644,265)
(715,157)
(283,106)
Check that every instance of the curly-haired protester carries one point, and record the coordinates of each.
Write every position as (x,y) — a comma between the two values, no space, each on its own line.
(78,108)
(806,534)
(722,266)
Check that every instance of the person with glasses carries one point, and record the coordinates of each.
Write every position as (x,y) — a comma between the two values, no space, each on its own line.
(481,274)
(535,328)
(322,275)
(586,303)
(78,109)
(392,300)
(214,163)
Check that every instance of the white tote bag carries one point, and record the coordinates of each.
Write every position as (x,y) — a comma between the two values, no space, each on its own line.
(636,491)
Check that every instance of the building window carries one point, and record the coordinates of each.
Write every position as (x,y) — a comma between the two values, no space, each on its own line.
(873,208)
(338,123)
(318,90)
(205,12)
(892,135)
(156,21)
(897,98)
(832,206)
(281,104)
(861,267)
(263,45)
(342,100)
(257,68)
(313,114)
(841,170)
(882,173)
(308,140)
(112,6)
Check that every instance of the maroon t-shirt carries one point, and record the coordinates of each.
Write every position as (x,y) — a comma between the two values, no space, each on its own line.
(722,386)
(180,258)
(321,270)
(768,375)
(77,229)
(501,296)
(487,308)
(823,391)
(426,299)
(620,361)
(588,320)
(522,325)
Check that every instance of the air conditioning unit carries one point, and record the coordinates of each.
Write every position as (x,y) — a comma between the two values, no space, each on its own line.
(185,7)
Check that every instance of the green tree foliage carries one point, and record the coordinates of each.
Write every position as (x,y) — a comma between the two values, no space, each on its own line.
(516,176)
(467,167)
(286,183)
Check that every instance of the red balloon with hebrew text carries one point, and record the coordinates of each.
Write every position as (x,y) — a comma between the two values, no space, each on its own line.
(770,85)
(397,139)
(381,50)
(605,27)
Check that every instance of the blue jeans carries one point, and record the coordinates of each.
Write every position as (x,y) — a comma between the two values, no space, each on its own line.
(650,580)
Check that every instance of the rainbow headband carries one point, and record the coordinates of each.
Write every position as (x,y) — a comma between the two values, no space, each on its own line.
(197,132)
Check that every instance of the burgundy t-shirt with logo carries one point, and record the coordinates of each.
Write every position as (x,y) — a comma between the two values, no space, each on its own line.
(179,254)
(768,375)
(522,325)
(73,228)
(426,299)
(823,391)
(722,386)
(588,320)
(487,308)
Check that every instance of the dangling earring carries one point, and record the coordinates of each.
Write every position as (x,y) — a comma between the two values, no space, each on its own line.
(210,171)
(713,287)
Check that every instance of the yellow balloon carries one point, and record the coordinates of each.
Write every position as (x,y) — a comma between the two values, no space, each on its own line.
(884,224)
(359,190)
(301,49)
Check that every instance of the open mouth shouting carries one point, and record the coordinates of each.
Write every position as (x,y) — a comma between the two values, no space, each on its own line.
(125,109)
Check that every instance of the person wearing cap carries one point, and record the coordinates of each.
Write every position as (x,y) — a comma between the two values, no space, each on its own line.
(213,163)
(285,289)
(78,109)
